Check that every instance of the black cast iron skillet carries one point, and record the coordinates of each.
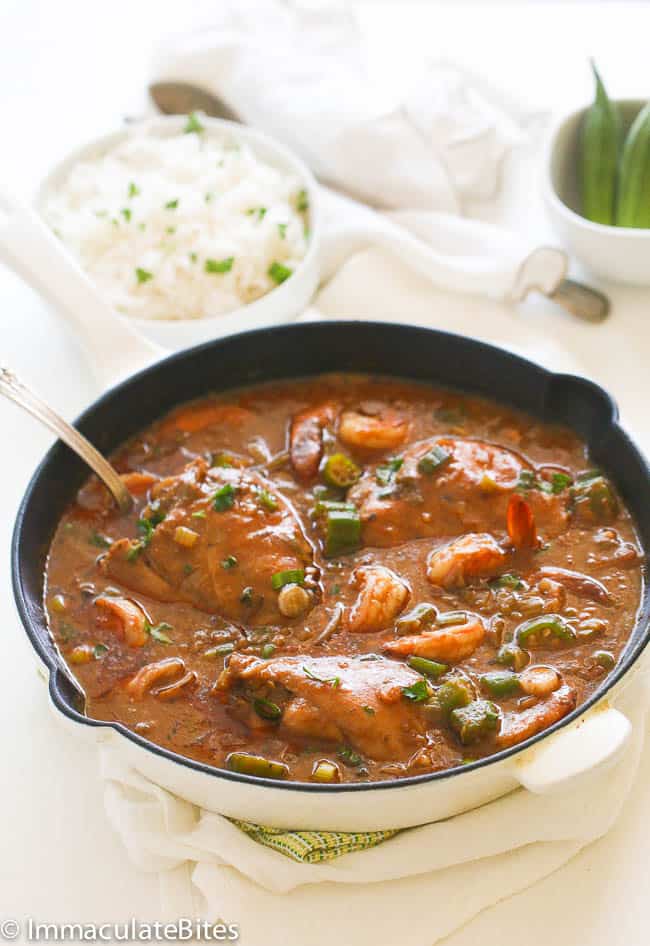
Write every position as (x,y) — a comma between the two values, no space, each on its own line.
(298,351)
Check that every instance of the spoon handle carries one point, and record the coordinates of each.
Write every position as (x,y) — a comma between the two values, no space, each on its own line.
(30,248)
(16,391)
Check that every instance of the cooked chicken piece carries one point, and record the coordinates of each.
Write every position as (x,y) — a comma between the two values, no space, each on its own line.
(223,537)
(355,701)
(446,486)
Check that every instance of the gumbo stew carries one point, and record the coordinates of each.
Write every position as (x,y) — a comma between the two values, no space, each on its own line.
(344,579)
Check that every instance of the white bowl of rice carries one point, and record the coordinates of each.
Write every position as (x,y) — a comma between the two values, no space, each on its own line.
(191,227)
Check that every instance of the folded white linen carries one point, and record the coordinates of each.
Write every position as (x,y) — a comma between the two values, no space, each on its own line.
(298,73)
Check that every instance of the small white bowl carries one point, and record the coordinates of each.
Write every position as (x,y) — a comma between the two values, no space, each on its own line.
(285,302)
(621,254)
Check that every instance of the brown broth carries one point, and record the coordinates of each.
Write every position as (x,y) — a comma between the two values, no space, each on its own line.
(422,513)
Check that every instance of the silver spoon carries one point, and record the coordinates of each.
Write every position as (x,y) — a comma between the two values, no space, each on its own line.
(16,391)
(180,98)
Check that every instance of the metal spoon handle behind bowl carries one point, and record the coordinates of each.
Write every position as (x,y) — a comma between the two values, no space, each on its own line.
(16,391)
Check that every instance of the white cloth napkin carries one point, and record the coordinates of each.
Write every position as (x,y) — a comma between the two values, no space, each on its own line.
(299,73)
(414,889)
(425,151)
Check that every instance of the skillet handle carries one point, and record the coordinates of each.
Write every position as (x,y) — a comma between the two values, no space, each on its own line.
(35,254)
(593,741)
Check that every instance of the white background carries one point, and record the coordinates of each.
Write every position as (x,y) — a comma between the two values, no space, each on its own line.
(72,69)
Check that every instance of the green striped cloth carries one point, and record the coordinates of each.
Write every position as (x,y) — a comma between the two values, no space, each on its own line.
(312,847)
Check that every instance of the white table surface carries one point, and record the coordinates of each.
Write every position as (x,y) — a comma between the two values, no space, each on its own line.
(72,69)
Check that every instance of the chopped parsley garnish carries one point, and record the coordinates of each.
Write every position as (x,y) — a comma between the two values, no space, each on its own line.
(134,551)
(332,681)
(134,190)
(302,201)
(279,272)
(99,651)
(282,230)
(350,757)
(229,562)
(417,692)
(267,500)
(259,211)
(126,213)
(158,632)
(193,125)
(199,514)
(560,482)
(219,265)
(224,498)
(557,484)
(143,275)
(172,204)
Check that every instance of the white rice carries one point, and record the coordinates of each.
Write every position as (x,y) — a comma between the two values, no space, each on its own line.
(151,218)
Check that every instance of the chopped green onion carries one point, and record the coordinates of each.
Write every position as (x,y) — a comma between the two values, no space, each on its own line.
(267,710)
(267,651)
(453,694)
(340,471)
(430,668)
(100,650)
(126,213)
(282,230)
(193,257)
(142,275)
(134,190)
(511,655)
(220,650)
(260,211)
(544,627)
(171,204)
(422,615)
(332,681)
(99,540)
(510,581)
(451,618)
(219,265)
(433,460)
(248,764)
(229,562)
(501,683)
(604,659)
(294,576)
(193,125)
(474,721)
(279,272)
(343,532)
(325,771)
(199,514)
(158,632)
(224,498)
(385,473)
